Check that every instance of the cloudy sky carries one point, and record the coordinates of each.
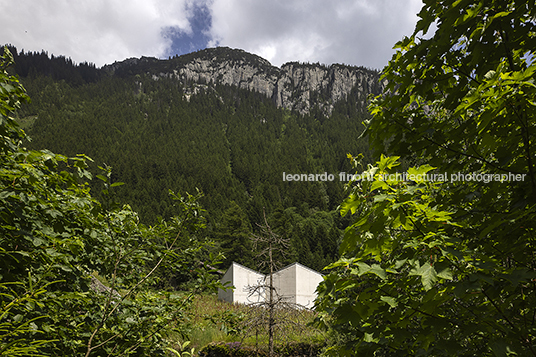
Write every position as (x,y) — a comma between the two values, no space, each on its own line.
(355,32)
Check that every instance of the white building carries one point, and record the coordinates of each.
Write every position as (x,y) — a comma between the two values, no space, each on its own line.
(241,278)
(296,283)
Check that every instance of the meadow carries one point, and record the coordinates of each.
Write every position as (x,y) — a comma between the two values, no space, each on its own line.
(212,321)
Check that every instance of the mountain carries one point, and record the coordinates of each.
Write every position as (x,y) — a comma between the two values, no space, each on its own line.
(220,120)
(295,86)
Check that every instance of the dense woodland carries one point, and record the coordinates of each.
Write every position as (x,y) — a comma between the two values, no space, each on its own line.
(231,144)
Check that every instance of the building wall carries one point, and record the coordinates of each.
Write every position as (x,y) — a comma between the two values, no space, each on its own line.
(306,285)
(241,278)
(285,283)
(295,283)
(227,294)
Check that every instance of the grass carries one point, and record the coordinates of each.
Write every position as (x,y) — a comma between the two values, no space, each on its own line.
(213,320)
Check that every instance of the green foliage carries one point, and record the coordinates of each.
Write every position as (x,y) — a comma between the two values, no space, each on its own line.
(446,268)
(235,349)
(13,327)
(314,235)
(12,94)
(54,235)
(234,235)
(183,351)
(228,349)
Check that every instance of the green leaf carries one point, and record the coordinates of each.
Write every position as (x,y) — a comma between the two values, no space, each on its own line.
(174,351)
(517,276)
(379,271)
(387,162)
(500,14)
(461,100)
(445,274)
(427,273)
(363,268)
(418,174)
(350,204)
(390,300)
(102,178)
(379,184)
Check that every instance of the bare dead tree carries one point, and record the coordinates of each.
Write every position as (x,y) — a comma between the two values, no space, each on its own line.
(274,312)
(278,316)
(268,242)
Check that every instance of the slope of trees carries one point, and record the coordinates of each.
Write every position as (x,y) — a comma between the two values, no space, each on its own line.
(31,64)
(232,144)
(446,267)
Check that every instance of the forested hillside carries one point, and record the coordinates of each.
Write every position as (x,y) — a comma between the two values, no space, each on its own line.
(159,132)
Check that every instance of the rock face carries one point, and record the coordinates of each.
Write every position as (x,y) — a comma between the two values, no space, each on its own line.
(295,86)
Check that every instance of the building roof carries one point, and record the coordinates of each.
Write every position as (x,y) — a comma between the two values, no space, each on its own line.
(243,267)
(279,270)
(301,265)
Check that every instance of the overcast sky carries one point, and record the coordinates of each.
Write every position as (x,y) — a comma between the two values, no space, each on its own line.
(355,32)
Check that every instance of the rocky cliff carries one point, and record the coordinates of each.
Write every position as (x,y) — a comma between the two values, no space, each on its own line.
(295,86)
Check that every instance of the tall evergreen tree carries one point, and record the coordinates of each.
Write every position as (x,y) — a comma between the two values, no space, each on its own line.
(234,236)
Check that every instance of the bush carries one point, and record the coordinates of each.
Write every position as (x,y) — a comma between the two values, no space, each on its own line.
(236,349)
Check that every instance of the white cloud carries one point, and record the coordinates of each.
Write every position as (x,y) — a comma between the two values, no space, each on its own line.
(99,31)
(357,32)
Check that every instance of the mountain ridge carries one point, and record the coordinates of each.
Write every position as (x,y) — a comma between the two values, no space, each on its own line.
(295,86)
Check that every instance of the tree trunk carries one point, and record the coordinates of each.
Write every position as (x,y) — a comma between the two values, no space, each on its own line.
(271,306)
